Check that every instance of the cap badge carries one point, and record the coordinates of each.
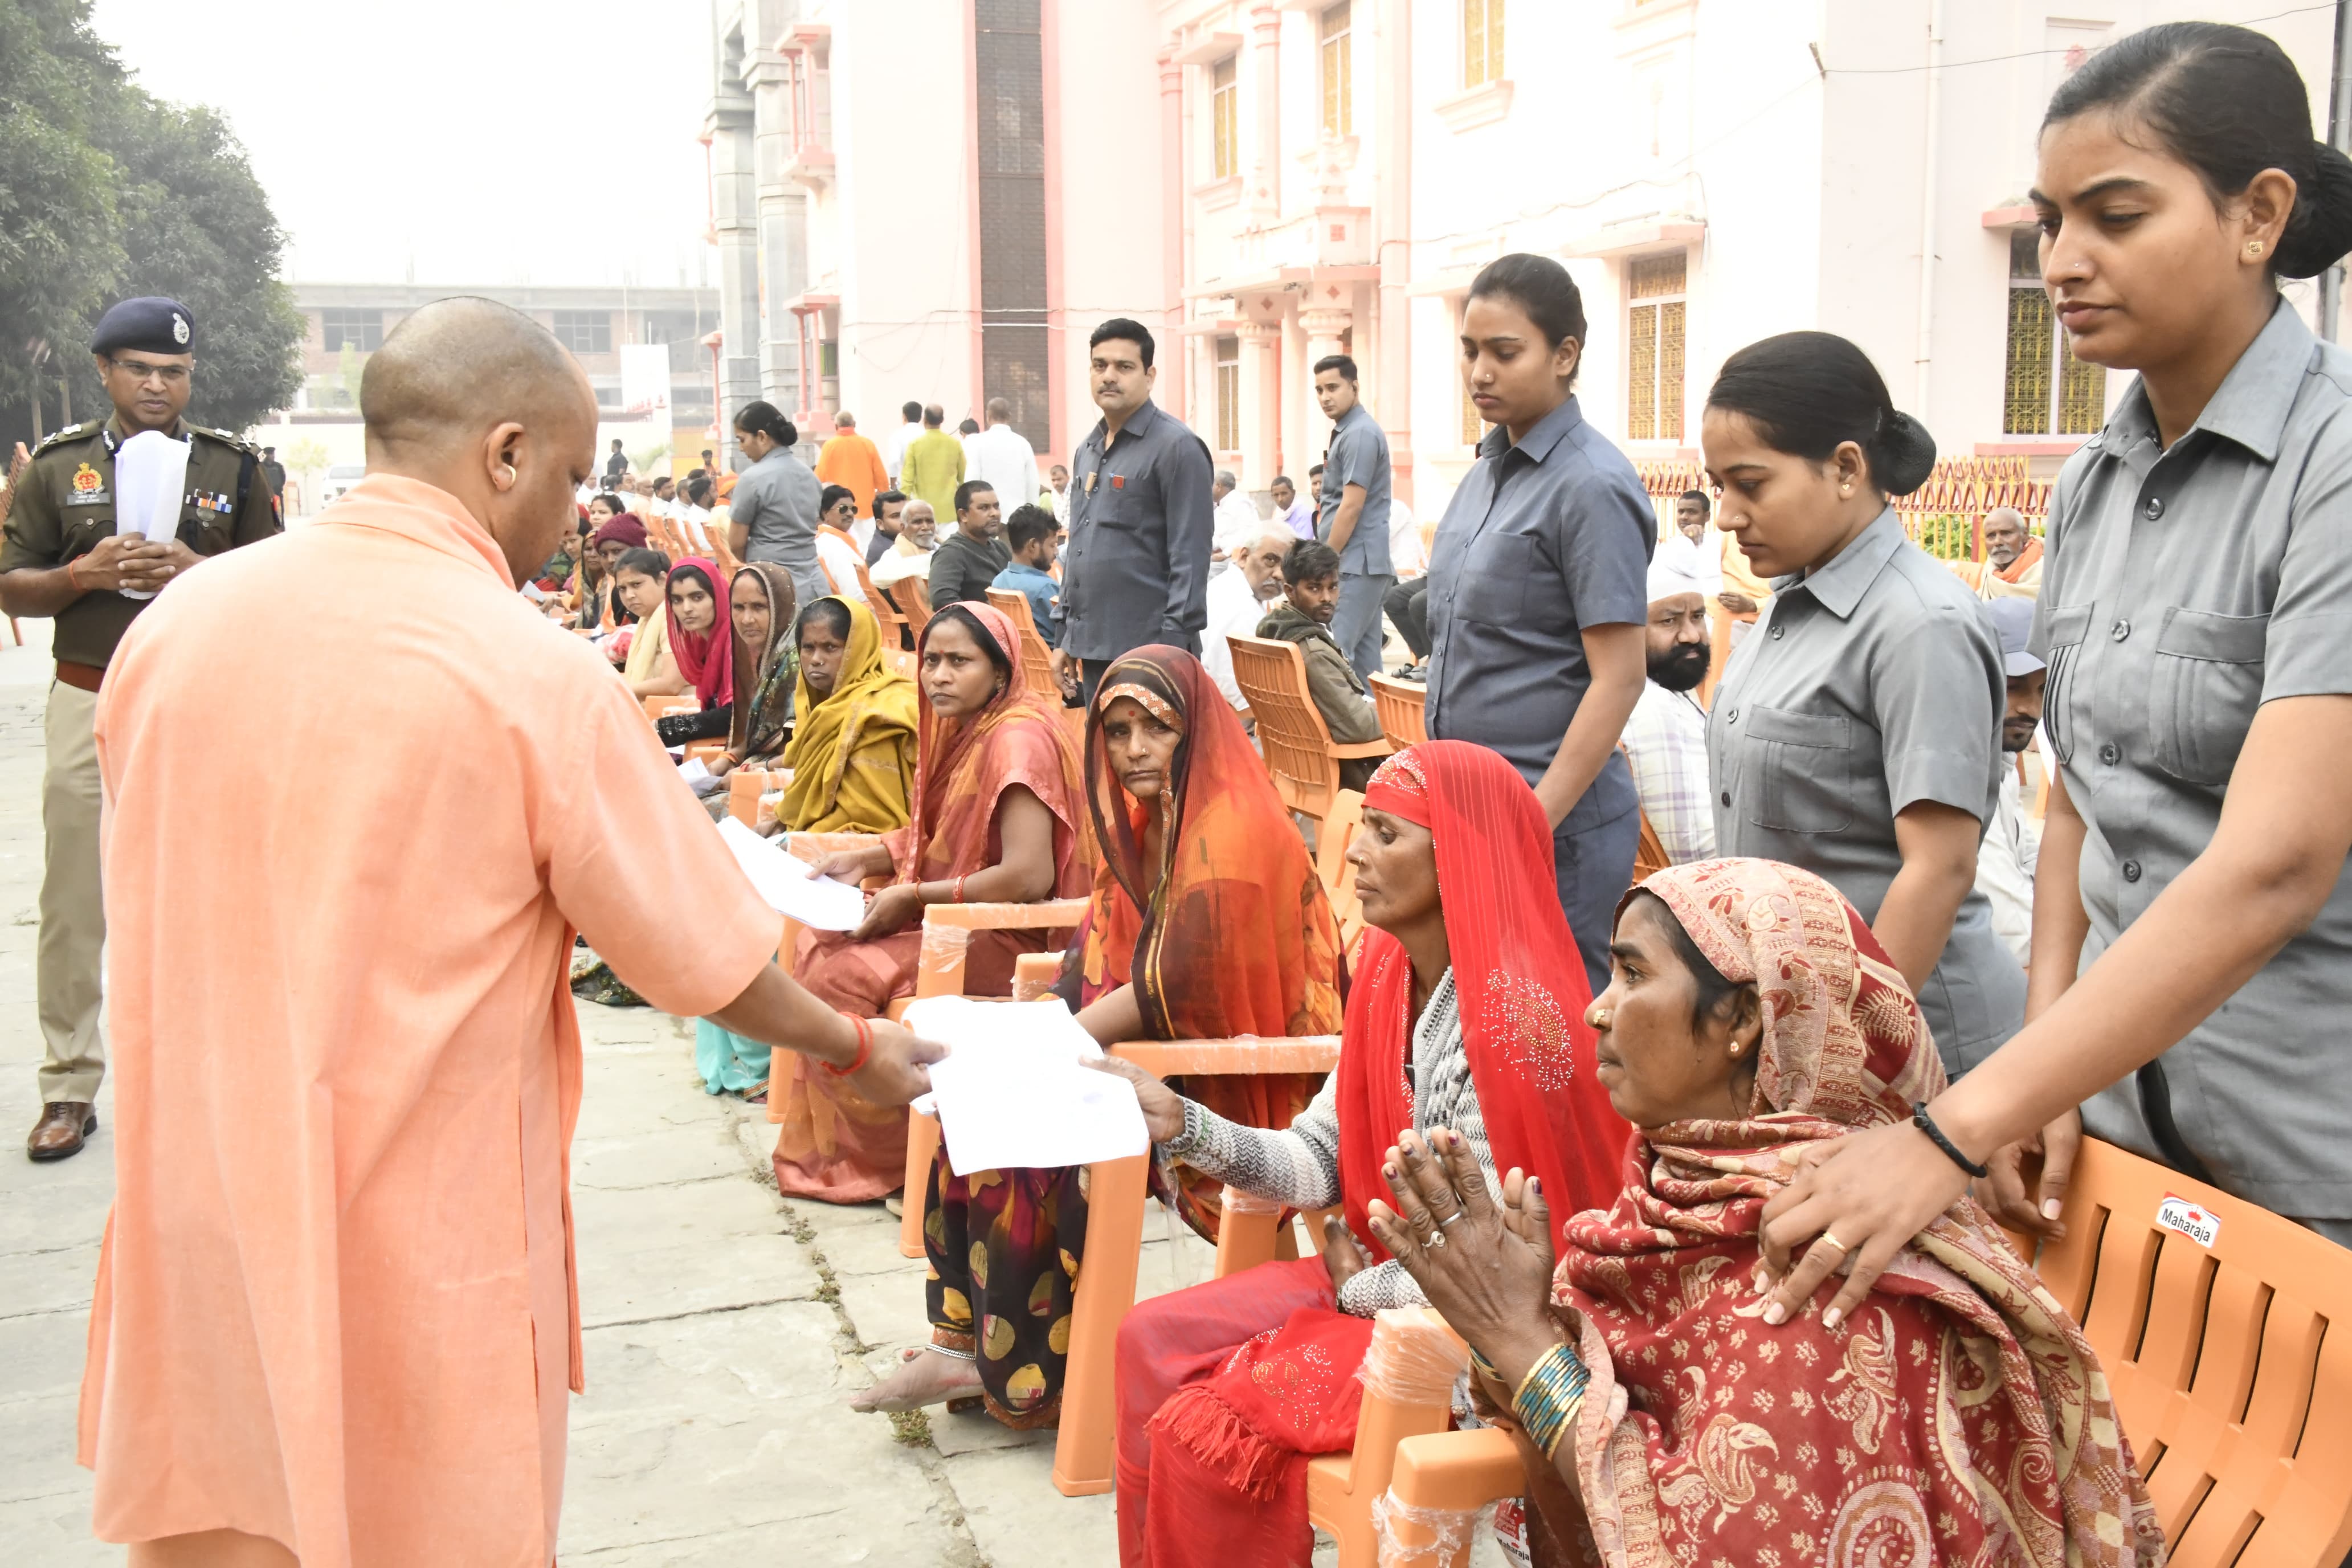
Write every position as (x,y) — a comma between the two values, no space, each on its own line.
(179,328)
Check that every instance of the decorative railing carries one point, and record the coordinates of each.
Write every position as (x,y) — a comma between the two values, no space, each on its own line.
(1944,517)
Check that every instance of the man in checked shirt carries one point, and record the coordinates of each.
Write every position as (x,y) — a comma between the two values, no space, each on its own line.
(1665,739)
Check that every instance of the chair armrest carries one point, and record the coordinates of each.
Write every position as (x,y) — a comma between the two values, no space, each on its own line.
(1049,915)
(1457,1470)
(1363,749)
(1248,1054)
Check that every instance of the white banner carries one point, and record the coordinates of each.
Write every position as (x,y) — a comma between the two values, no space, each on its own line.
(644,381)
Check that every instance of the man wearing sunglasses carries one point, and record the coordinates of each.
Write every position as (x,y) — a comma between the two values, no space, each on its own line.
(62,558)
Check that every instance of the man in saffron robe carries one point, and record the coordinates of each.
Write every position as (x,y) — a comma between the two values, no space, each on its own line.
(2012,557)
(337,1314)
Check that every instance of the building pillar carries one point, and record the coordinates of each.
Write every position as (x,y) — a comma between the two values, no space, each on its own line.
(1266,56)
(1261,403)
(1322,324)
(734,224)
(1393,230)
(1171,221)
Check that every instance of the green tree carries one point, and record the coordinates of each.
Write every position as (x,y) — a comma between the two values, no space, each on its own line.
(106,193)
(196,226)
(60,246)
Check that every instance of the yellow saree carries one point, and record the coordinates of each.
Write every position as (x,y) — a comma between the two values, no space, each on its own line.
(852,754)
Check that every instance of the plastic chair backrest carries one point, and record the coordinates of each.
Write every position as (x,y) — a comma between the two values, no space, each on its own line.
(1036,663)
(919,594)
(1399,704)
(1337,874)
(1290,728)
(2214,1324)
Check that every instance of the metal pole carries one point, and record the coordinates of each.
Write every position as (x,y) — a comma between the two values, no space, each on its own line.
(2339,136)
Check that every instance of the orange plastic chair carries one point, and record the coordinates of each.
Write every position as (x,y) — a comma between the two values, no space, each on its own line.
(1083,1446)
(1335,873)
(1037,659)
(1300,755)
(746,785)
(2214,1322)
(1399,704)
(918,598)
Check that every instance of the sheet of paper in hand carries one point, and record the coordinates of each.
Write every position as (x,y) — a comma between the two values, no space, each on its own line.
(791,886)
(1012,1093)
(151,475)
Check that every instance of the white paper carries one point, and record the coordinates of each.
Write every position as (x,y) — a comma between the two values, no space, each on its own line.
(790,886)
(1012,1093)
(699,778)
(151,477)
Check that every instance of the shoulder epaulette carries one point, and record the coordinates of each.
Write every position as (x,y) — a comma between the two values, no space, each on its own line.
(239,442)
(86,429)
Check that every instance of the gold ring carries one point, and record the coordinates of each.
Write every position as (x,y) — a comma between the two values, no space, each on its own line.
(1833,1241)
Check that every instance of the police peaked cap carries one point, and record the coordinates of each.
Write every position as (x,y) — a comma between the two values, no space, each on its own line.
(150,325)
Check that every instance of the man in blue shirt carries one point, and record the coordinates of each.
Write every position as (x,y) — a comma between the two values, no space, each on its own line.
(1354,516)
(1031,533)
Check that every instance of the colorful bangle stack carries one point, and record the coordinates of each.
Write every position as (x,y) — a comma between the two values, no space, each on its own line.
(955,896)
(865,1048)
(1550,1397)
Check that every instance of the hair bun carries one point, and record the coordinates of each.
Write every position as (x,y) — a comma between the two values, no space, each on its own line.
(2319,230)
(1902,455)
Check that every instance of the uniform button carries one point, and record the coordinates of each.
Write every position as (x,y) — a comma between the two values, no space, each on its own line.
(1733,716)
(1726,797)
(2111,754)
(2120,630)
(2154,508)
(1776,630)
(2131,870)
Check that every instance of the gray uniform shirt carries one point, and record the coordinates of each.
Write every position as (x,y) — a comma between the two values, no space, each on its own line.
(776,499)
(2183,589)
(1870,685)
(1359,456)
(1541,540)
(1137,569)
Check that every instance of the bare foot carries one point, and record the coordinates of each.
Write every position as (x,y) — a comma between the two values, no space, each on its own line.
(928,1377)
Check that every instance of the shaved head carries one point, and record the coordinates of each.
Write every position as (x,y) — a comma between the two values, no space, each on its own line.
(481,402)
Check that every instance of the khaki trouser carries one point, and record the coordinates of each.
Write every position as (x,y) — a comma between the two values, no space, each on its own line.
(73,919)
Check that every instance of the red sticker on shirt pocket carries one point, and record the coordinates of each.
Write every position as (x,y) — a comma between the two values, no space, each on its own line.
(1118,481)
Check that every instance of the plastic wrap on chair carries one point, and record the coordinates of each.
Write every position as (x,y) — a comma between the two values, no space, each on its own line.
(1052,914)
(942,953)
(1442,1536)
(1237,1202)
(1414,1359)
(1034,974)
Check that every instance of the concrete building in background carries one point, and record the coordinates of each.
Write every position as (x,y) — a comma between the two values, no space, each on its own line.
(1335,173)
(936,201)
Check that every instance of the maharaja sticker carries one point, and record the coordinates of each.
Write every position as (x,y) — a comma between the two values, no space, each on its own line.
(2195,1221)
(88,488)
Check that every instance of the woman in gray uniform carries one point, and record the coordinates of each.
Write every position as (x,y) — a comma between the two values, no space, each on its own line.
(1857,731)
(2192,912)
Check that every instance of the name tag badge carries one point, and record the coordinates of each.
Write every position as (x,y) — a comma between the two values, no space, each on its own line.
(88,487)
(1118,481)
(2194,1221)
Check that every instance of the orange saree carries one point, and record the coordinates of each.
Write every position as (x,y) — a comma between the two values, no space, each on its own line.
(1229,933)
(834,1144)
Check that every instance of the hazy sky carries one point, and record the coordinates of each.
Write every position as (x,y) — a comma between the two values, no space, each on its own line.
(474,141)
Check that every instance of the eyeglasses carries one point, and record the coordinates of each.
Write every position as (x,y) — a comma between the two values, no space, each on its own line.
(141,370)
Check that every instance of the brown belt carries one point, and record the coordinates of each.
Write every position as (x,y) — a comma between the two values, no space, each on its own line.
(81,677)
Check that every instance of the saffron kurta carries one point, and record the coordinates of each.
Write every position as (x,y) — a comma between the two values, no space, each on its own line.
(344,857)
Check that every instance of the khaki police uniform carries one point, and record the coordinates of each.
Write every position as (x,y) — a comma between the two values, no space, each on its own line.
(64,505)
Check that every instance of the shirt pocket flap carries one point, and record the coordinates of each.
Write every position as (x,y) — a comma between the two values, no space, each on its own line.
(1828,731)
(2066,623)
(2220,639)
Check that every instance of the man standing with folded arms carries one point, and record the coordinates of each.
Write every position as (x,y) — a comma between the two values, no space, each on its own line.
(1137,569)
(64,559)
(336,1317)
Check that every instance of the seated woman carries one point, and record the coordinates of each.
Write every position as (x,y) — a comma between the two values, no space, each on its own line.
(1207,922)
(638,576)
(761,609)
(1956,1417)
(1467,1010)
(852,757)
(702,640)
(996,821)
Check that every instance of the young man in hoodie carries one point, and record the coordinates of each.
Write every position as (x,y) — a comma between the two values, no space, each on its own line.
(1310,576)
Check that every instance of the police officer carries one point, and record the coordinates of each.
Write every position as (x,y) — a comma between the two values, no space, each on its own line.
(62,558)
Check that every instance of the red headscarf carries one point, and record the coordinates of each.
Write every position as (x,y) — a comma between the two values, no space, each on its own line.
(1517,981)
(705,658)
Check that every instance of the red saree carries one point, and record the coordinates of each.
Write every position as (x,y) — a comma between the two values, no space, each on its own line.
(1958,1415)
(1217,1474)
(1230,933)
(835,1145)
